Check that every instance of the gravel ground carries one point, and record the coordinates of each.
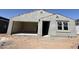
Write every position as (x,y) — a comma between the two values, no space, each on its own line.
(34,42)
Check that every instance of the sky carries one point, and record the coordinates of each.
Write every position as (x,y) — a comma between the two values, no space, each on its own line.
(71,13)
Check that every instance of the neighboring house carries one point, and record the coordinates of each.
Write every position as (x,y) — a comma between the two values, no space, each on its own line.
(42,23)
(3,24)
(77,25)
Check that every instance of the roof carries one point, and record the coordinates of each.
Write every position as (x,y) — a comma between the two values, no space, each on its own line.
(38,14)
(33,15)
(4,19)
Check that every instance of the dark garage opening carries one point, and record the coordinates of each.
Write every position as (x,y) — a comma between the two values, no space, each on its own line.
(25,27)
(45,27)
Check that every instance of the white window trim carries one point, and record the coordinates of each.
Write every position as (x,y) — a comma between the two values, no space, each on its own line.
(63,31)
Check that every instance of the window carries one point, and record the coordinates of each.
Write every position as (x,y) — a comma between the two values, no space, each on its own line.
(59,25)
(62,25)
(65,24)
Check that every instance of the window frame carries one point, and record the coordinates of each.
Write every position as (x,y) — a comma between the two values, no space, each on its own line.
(59,26)
(64,25)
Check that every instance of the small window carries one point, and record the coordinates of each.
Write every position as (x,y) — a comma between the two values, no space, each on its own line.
(65,25)
(59,25)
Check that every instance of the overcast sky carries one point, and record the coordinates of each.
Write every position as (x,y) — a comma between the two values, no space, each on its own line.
(72,13)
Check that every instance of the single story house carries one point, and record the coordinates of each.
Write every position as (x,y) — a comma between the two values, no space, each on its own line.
(3,24)
(42,23)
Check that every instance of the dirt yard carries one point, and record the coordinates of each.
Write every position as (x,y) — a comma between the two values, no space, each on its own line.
(34,42)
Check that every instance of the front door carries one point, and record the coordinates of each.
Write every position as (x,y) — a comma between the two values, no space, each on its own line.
(45,28)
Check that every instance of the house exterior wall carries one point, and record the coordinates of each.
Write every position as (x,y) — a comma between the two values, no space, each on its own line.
(9,31)
(53,30)
(45,16)
(33,16)
(70,32)
(71,27)
(52,27)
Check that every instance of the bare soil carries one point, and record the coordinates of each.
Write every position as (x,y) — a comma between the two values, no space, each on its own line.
(34,42)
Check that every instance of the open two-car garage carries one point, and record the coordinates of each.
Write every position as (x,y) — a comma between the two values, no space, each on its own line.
(24,27)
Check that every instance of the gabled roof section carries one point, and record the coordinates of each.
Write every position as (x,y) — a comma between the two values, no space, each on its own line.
(37,14)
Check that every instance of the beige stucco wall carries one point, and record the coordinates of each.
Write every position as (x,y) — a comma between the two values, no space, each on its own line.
(33,16)
(39,17)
